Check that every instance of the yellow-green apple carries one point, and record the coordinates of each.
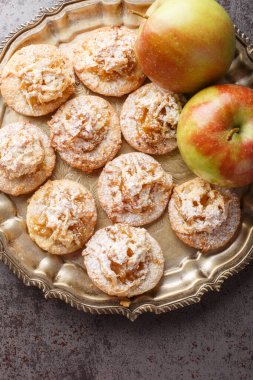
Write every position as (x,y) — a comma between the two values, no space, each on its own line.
(185,44)
(215,135)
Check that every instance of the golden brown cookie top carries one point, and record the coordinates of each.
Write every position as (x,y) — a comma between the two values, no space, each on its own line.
(110,54)
(149,119)
(43,75)
(63,213)
(106,63)
(124,260)
(201,206)
(81,124)
(26,158)
(134,189)
(86,132)
(204,216)
(40,78)
(21,150)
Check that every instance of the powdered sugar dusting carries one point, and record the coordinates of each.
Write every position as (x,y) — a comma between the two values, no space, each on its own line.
(63,213)
(134,189)
(149,119)
(80,125)
(157,114)
(133,180)
(120,255)
(110,54)
(21,150)
(44,74)
(202,207)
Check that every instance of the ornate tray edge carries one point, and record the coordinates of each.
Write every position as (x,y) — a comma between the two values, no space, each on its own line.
(65,296)
(132,315)
(42,14)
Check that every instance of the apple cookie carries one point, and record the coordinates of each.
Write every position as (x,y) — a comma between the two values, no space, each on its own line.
(134,189)
(26,158)
(124,261)
(105,61)
(204,216)
(61,216)
(86,132)
(37,80)
(149,119)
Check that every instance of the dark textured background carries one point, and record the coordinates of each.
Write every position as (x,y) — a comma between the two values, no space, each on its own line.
(49,340)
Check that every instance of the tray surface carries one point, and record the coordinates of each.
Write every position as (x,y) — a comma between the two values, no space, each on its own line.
(188,273)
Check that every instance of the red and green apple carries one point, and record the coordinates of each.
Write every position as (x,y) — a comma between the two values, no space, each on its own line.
(185,44)
(215,135)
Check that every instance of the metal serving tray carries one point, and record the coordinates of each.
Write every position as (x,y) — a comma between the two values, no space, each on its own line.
(188,274)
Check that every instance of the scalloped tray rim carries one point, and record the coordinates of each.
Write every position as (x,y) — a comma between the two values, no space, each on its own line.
(64,295)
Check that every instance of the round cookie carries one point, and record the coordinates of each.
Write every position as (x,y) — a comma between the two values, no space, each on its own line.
(61,216)
(37,80)
(134,189)
(124,261)
(26,158)
(149,119)
(105,61)
(204,216)
(86,132)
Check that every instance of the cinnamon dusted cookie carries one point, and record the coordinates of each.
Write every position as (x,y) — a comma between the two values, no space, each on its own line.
(61,216)
(204,216)
(149,119)
(134,189)
(105,61)
(124,261)
(37,80)
(26,158)
(86,132)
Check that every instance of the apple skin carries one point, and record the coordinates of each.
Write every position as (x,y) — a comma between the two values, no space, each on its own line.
(203,134)
(185,45)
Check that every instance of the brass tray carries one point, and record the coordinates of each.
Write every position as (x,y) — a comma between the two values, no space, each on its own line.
(188,274)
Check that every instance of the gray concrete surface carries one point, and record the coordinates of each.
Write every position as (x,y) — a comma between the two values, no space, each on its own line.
(48,340)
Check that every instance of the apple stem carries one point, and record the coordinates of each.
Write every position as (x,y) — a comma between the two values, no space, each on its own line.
(138,14)
(231,133)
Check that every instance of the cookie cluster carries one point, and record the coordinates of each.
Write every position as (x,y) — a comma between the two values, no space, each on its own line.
(133,189)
